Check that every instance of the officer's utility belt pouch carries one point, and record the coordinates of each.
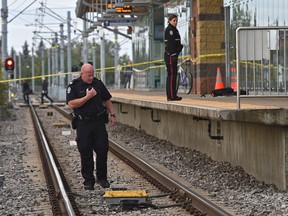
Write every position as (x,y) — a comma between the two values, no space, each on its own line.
(97,117)
(73,120)
(106,116)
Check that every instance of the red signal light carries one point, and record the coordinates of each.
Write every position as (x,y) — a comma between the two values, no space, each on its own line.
(9,64)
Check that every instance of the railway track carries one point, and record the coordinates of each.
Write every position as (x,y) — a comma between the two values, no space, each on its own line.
(69,197)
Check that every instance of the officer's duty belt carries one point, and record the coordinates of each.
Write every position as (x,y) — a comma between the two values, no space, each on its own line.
(92,118)
(174,54)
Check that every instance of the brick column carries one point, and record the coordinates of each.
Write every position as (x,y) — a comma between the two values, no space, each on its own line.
(207,43)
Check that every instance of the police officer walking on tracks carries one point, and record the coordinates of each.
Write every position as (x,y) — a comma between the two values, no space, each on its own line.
(173,47)
(26,91)
(89,99)
(44,92)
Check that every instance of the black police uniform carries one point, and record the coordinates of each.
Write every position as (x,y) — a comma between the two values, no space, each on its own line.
(172,49)
(26,91)
(44,92)
(91,129)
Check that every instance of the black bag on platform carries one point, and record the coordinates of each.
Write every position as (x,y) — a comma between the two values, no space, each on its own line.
(223,92)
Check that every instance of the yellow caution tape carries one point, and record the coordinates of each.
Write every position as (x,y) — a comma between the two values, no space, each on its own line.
(160,63)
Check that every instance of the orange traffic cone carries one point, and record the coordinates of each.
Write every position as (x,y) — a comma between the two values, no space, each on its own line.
(233,78)
(219,84)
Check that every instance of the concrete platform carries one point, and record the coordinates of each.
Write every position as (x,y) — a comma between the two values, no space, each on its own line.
(253,137)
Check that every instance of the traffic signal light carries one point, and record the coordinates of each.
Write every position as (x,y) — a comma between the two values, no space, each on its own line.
(9,64)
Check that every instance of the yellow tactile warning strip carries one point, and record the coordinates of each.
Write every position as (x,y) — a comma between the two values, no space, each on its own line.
(225,105)
(192,102)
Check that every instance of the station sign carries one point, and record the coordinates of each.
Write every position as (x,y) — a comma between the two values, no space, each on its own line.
(124,9)
(124,22)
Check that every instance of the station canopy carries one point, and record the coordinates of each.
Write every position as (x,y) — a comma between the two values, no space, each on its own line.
(114,13)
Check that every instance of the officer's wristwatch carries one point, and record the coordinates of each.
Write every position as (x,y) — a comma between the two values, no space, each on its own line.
(113,115)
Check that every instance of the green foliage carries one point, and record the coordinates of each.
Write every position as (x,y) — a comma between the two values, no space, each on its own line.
(26,51)
(4,98)
(12,52)
(3,91)
(124,59)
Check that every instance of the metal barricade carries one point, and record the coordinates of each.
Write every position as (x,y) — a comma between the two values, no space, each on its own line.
(261,62)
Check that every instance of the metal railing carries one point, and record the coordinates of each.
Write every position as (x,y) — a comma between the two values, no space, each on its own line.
(261,63)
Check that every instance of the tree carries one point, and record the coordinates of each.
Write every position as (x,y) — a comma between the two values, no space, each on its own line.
(124,59)
(12,52)
(26,51)
(40,47)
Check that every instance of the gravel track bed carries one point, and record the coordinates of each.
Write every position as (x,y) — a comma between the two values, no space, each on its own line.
(119,174)
(226,184)
(90,202)
(24,190)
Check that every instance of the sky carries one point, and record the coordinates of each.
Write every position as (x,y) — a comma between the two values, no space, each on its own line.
(23,20)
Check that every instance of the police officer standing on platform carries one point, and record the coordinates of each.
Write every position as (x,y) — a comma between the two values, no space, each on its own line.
(89,99)
(173,47)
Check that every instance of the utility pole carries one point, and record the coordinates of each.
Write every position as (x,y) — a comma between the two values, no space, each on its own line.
(42,61)
(20,70)
(33,70)
(61,77)
(61,89)
(69,52)
(85,41)
(15,69)
(116,58)
(49,65)
(53,67)
(102,54)
(56,68)
(4,16)
(94,53)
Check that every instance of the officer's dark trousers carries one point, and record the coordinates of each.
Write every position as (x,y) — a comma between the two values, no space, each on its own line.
(26,97)
(127,80)
(171,66)
(45,95)
(92,135)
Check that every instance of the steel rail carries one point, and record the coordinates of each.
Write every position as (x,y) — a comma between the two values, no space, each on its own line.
(54,169)
(198,201)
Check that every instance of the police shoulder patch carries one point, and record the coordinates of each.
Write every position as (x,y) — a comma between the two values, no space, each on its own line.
(68,90)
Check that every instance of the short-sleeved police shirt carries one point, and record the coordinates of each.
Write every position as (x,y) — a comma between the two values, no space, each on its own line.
(77,89)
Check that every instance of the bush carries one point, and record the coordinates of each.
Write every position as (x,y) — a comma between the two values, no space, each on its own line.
(3,99)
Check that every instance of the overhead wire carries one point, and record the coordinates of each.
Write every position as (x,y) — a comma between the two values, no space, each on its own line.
(21,11)
(12,3)
(39,18)
(57,15)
